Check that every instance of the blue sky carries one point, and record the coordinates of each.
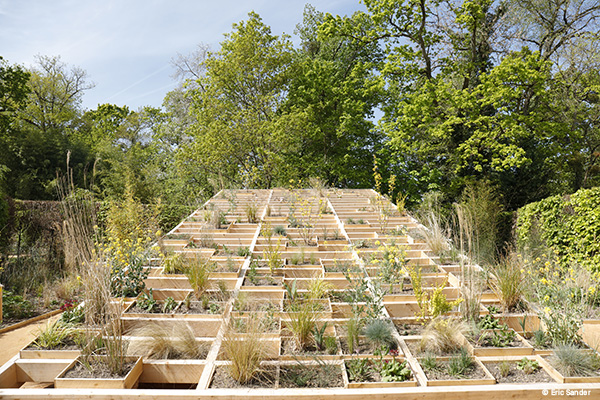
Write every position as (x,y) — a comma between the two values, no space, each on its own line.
(126,46)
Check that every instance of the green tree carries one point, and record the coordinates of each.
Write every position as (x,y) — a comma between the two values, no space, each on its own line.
(334,87)
(239,135)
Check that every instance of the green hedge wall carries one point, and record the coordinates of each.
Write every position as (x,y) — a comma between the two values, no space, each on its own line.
(569,225)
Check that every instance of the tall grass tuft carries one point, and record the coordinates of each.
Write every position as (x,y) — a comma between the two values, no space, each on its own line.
(160,342)
(245,351)
(303,317)
(198,272)
(443,336)
(573,361)
(509,285)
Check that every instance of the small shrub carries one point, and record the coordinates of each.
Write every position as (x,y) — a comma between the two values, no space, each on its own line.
(146,302)
(379,333)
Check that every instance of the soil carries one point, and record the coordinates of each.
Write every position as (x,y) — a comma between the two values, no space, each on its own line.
(98,371)
(311,376)
(195,307)
(157,309)
(262,281)
(441,374)
(288,348)
(516,375)
(264,379)
(409,329)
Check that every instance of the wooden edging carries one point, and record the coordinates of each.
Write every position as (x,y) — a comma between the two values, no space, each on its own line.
(524,392)
(30,321)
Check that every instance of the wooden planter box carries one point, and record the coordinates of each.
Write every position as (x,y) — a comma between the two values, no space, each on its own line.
(31,373)
(127,382)
(554,373)
(515,359)
(488,380)
(50,354)
(488,351)
(412,382)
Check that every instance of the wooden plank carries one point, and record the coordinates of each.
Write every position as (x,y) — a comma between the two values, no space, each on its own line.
(172,371)
(39,370)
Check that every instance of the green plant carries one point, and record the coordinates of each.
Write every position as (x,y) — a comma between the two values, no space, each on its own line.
(498,338)
(250,210)
(379,333)
(252,274)
(75,315)
(460,365)
(429,362)
(540,339)
(528,366)
(54,335)
(291,291)
(243,251)
(318,288)
(169,305)
(330,345)
(488,321)
(359,370)
(394,371)
(15,306)
(198,274)
(279,230)
(573,361)
(319,336)
(504,368)
(353,326)
(146,301)
(302,321)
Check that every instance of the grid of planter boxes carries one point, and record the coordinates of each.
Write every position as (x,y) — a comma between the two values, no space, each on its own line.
(271,289)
